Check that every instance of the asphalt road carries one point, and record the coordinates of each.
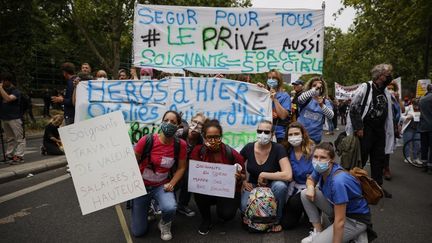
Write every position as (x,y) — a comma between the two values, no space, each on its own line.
(52,214)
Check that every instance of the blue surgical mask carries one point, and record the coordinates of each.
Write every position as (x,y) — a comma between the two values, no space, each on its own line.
(168,129)
(272,83)
(320,167)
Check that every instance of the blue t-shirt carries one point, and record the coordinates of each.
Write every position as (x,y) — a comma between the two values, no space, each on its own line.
(300,168)
(285,101)
(312,118)
(342,188)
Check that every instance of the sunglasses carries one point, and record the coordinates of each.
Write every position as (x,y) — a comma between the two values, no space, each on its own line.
(259,131)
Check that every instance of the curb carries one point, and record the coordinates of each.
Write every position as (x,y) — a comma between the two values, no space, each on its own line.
(20,171)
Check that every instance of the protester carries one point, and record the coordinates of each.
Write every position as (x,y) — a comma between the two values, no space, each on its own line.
(11,119)
(192,135)
(155,169)
(146,73)
(339,196)
(52,144)
(68,70)
(426,129)
(410,130)
(371,119)
(299,149)
(281,103)
(397,110)
(314,108)
(343,107)
(267,165)
(101,75)
(215,151)
(86,69)
(298,90)
(244,78)
(122,75)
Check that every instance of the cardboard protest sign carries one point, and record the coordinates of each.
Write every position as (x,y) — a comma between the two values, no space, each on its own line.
(228,40)
(238,106)
(102,162)
(212,179)
(422,87)
(345,92)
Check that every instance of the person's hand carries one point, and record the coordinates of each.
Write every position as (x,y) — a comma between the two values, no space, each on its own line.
(310,193)
(168,187)
(272,94)
(247,186)
(261,85)
(133,72)
(57,99)
(261,180)
(238,175)
(359,133)
(76,81)
(409,117)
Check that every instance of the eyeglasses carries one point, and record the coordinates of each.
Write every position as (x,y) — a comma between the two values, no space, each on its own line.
(259,131)
(213,137)
(197,123)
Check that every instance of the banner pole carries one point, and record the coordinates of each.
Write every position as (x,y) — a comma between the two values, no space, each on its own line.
(123,223)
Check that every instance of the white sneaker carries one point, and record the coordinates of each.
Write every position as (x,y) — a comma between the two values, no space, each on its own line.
(165,230)
(312,235)
(418,161)
(407,160)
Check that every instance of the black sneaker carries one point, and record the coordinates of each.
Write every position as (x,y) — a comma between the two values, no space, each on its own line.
(185,211)
(204,228)
(387,194)
(43,150)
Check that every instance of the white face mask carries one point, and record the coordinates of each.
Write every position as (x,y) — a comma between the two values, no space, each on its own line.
(145,77)
(263,138)
(295,140)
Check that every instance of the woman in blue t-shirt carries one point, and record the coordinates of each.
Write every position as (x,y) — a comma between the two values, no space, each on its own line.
(267,165)
(314,108)
(281,103)
(299,149)
(338,195)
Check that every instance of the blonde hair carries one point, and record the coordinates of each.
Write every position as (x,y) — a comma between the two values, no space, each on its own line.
(57,119)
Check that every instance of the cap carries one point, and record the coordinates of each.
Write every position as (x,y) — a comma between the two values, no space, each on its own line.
(297,82)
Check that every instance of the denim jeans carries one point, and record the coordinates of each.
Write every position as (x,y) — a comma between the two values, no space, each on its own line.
(408,134)
(141,205)
(280,191)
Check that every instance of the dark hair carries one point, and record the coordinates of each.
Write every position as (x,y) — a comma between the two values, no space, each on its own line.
(7,76)
(327,146)
(68,67)
(212,123)
(178,116)
(84,76)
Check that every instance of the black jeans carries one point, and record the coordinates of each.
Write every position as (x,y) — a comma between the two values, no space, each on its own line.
(373,147)
(292,212)
(226,208)
(426,147)
(184,194)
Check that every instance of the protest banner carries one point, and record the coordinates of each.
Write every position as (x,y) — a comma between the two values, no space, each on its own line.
(399,84)
(102,162)
(228,40)
(238,106)
(345,92)
(422,87)
(212,179)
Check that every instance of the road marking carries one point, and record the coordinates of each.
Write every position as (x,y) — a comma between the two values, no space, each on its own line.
(33,188)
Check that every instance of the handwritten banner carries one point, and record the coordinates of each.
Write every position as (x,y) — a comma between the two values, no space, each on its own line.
(211,179)
(228,40)
(345,92)
(238,106)
(102,162)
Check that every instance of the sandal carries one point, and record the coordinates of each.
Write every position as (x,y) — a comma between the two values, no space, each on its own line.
(276,228)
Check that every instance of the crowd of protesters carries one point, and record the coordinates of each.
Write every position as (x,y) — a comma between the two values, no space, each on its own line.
(288,155)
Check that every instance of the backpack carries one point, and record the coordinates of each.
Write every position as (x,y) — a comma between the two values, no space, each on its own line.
(261,210)
(148,147)
(372,192)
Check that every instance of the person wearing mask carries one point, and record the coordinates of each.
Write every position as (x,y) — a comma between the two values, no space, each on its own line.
(267,165)
(426,129)
(410,125)
(298,90)
(101,75)
(338,195)
(52,144)
(314,108)
(371,120)
(155,169)
(192,135)
(281,103)
(299,149)
(122,75)
(11,119)
(215,151)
